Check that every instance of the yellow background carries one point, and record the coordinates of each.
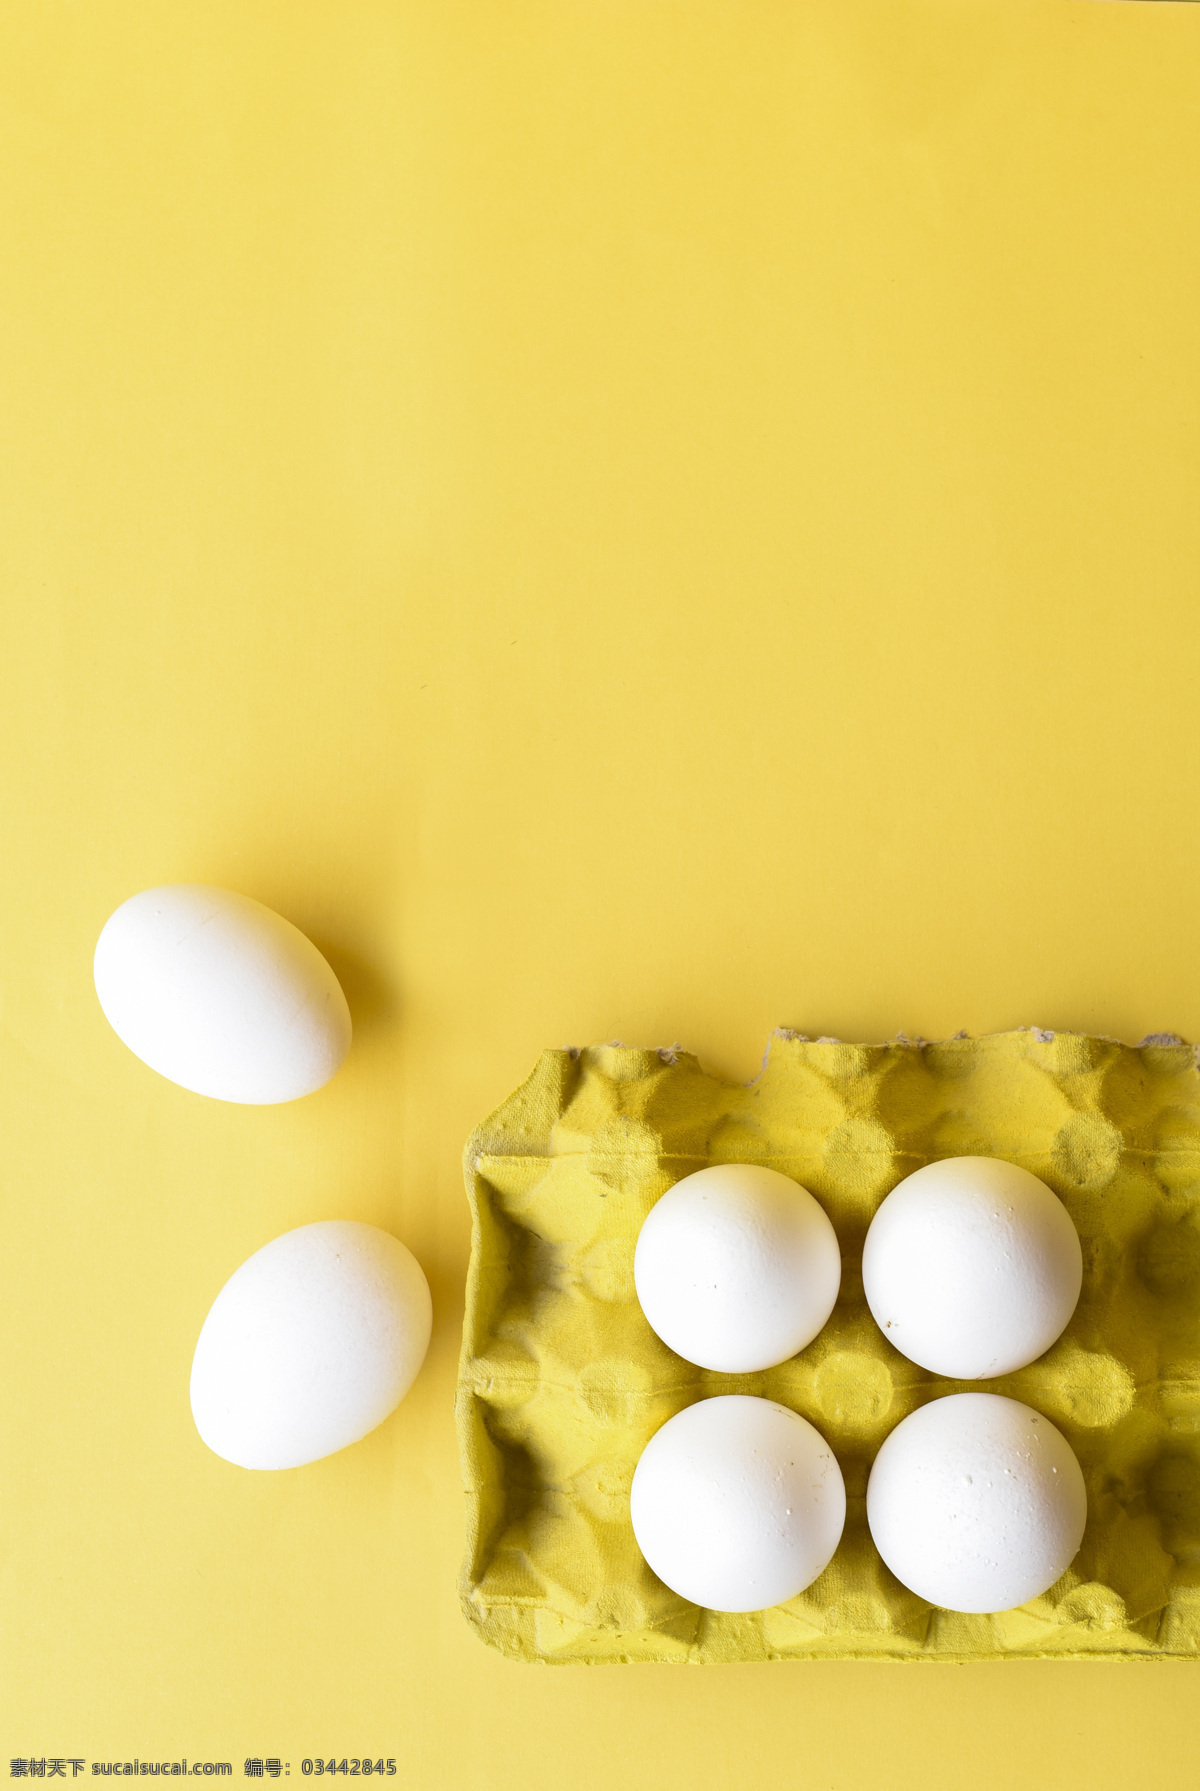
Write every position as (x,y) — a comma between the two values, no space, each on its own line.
(622,520)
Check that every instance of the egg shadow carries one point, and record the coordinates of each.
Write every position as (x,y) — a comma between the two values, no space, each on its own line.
(373,1001)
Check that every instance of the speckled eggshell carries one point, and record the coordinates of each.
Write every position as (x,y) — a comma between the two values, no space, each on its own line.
(976,1503)
(737,1268)
(309,1345)
(972,1267)
(221,995)
(737,1503)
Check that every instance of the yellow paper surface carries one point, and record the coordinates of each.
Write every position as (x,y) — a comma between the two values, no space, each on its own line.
(643,521)
(563,1383)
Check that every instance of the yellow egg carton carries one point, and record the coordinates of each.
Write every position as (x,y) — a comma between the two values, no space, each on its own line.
(562,1382)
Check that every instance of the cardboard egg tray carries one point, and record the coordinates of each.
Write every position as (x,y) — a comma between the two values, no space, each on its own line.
(562,1382)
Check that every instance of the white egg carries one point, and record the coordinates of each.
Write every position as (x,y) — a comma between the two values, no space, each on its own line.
(972,1267)
(976,1503)
(737,1268)
(737,1503)
(309,1345)
(221,995)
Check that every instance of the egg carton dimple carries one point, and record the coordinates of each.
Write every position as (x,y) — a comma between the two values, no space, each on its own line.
(562,1382)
